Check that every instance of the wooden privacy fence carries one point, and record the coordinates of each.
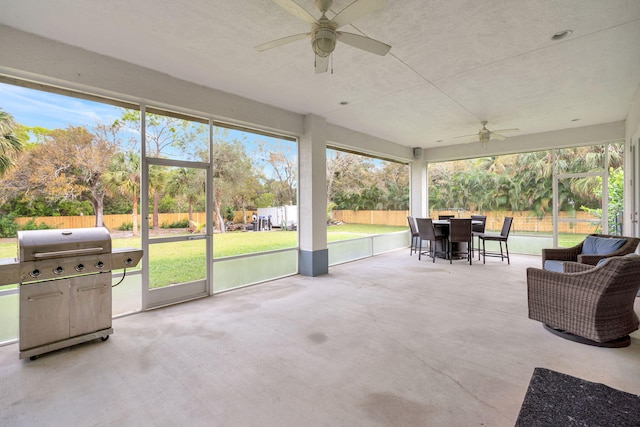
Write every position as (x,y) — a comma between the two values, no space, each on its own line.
(372,217)
(522,221)
(112,222)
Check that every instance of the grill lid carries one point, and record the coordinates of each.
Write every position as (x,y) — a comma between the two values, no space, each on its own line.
(36,245)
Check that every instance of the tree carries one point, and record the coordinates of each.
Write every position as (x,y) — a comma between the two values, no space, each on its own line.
(521,181)
(68,165)
(283,166)
(616,198)
(265,200)
(359,182)
(247,190)
(10,142)
(166,137)
(123,177)
(394,178)
(231,168)
(188,183)
(347,176)
(158,178)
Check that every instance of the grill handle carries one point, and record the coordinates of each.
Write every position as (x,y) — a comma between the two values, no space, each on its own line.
(44,296)
(70,252)
(92,288)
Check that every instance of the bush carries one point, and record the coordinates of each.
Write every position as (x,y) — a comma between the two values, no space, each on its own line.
(228,213)
(178,224)
(126,226)
(8,226)
(31,225)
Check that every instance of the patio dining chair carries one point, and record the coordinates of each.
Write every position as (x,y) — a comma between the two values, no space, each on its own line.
(477,229)
(427,231)
(502,237)
(445,217)
(460,232)
(414,235)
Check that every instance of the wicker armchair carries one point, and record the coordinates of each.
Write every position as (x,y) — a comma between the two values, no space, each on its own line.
(591,305)
(575,254)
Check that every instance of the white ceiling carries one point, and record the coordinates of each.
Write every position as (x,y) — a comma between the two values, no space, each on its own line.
(452,63)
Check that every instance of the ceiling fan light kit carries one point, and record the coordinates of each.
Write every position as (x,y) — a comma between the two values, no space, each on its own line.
(323,41)
(485,135)
(324,34)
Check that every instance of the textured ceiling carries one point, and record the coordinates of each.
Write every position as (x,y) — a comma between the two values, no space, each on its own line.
(452,63)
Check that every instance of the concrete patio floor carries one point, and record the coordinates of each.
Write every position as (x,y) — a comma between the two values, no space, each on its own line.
(385,341)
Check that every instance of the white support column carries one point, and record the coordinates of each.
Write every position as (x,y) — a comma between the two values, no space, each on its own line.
(631,222)
(313,258)
(418,189)
(633,188)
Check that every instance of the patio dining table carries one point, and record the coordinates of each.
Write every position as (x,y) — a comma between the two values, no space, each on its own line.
(445,222)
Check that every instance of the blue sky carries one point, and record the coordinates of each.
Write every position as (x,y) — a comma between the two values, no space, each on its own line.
(35,108)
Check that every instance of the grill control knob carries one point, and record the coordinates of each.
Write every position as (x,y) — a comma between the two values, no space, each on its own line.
(58,270)
(79,267)
(34,273)
(128,261)
(99,264)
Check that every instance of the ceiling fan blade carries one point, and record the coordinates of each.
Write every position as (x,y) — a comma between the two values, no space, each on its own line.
(364,43)
(282,41)
(466,136)
(507,130)
(322,64)
(296,10)
(356,10)
(497,136)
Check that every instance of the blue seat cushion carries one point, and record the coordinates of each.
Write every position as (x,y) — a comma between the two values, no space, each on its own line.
(603,260)
(593,245)
(553,265)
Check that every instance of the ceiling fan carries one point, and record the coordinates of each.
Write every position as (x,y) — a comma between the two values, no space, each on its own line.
(485,135)
(324,32)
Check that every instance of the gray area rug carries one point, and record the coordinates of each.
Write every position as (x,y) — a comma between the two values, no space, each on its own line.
(556,399)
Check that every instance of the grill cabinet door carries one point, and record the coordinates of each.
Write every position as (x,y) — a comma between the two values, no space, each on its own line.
(44,313)
(90,303)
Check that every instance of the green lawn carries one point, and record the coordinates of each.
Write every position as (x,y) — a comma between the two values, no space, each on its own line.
(568,240)
(166,268)
(564,240)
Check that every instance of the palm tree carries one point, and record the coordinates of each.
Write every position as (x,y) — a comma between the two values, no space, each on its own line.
(157,184)
(190,184)
(10,144)
(123,176)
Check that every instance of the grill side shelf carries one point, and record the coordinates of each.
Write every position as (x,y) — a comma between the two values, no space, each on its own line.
(125,258)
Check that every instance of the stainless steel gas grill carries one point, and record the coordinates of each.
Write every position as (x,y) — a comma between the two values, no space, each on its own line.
(65,286)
